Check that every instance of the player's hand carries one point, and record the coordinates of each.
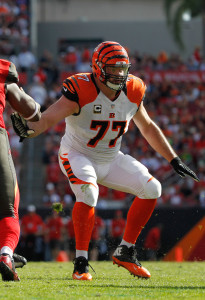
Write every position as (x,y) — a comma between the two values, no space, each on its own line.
(20,126)
(182,169)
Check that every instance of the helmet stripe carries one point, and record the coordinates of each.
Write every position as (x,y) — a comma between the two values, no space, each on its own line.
(107,46)
(116,56)
(110,52)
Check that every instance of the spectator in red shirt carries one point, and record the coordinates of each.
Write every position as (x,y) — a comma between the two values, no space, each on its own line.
(118,195)
(197,55)
(71,58)
(53,172)
(152,242)
(97,233)
(51,195)
(116,231)
(54,234)
(86,55)
(32,229)
(71,239)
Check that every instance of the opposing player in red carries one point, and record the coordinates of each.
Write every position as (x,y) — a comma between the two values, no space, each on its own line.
(9,192)
(97,108)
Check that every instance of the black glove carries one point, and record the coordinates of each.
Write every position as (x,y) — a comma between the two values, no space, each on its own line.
(20,126)
(182,169)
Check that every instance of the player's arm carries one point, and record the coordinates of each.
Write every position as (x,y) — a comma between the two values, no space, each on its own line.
(155,137)
(21,102)
(54,114)
(153,134)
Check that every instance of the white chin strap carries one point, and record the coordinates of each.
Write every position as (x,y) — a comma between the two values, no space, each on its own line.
(113,86)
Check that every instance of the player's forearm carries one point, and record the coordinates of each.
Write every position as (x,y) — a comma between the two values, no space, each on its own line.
(158,141)
(39,127)
(54,114)
(49,118)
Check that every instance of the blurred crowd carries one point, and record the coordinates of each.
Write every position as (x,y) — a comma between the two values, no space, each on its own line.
(53,239)
(14,27)
(175,103)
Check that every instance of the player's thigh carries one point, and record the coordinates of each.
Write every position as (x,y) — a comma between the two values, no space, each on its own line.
(8,181)
(81,175)
(129,175)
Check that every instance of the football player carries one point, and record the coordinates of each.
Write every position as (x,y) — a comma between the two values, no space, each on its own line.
(98,108)
(9,192)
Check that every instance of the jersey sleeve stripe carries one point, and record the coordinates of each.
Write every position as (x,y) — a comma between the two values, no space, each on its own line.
(69,91)
(75,81)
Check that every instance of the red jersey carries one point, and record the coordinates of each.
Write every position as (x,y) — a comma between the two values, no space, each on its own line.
(152,240)
(54,226)
(70,229)
(2,104)
(53,172)
(117,227)
(31,224)
(8,73)
(99,224)
(4,68)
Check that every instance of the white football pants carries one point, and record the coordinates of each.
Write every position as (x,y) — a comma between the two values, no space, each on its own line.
(124,173)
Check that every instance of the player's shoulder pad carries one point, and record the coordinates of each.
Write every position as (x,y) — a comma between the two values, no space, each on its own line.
(79,88)
(136,89)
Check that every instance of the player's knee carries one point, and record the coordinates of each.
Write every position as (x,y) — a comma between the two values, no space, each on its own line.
(153,189)
(90,193)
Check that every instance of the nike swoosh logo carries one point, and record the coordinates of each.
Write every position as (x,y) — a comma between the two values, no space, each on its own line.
(78,276)
(65,89)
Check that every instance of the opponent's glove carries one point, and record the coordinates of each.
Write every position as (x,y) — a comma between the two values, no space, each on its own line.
(20,126)
(182,169)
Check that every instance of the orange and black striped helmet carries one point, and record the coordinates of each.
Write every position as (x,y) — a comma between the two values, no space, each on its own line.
(106,56)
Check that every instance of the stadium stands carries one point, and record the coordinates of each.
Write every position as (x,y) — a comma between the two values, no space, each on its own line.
(175,100)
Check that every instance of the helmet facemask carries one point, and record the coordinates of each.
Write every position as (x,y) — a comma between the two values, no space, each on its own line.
(113,79)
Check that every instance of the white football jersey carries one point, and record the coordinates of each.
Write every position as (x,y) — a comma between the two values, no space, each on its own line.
(97,129)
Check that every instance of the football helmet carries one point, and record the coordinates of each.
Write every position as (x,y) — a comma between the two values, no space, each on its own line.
(110,64)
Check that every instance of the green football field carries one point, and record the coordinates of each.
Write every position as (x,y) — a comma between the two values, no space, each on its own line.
(54,281)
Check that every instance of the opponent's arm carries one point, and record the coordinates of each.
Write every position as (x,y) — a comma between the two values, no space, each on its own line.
(21,102)
(55,113)
(155,137)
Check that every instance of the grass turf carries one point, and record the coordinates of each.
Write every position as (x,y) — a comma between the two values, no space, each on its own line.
(52,280)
